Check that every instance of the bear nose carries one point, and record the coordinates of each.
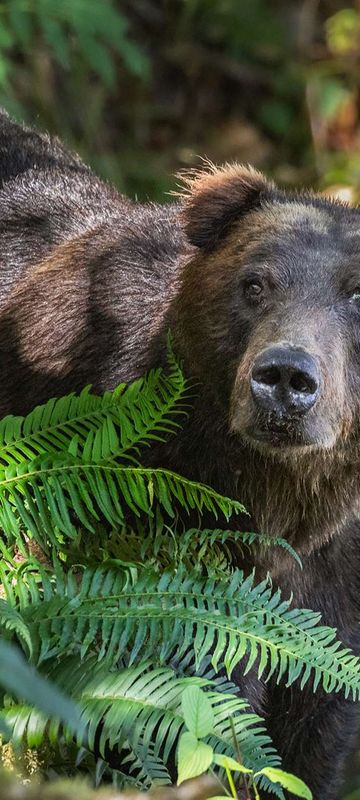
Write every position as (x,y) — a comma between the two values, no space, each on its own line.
(285,381)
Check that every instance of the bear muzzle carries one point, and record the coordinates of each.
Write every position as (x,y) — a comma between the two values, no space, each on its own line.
(279,400)
(285,382)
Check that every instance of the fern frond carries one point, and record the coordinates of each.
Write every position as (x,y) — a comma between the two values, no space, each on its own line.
(138,711)
(21,679)
(28,726)
(150,405)
(200,546)
(45,495)
(50,428)
(116,423)
(236,621)
(11,620)
(164,546)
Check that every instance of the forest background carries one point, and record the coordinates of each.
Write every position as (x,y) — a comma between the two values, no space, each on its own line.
(143,88)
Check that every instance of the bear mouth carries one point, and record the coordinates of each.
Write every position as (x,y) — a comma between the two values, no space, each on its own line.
(278,435)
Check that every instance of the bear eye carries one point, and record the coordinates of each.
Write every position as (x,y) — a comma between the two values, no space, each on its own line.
(253,290)
(355,297)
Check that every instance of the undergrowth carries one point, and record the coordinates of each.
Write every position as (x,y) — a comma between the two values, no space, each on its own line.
(120,612)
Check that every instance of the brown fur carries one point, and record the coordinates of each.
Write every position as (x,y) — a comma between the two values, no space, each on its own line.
(212,199)
(90,285)
(305,492)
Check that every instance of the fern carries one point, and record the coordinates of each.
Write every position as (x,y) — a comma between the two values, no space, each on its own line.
(237,621)
(63,464)
(11,621)
(120,421)
(126,636)
(96,34)
(216,547)
(167,546)
(37,496)
(138,709)
(18,677)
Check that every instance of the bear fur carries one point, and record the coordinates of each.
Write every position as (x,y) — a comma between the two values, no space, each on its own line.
(91,282)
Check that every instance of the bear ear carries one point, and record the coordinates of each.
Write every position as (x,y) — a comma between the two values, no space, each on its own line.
(216,197)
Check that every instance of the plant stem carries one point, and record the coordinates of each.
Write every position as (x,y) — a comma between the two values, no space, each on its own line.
(231,783)
(239,758)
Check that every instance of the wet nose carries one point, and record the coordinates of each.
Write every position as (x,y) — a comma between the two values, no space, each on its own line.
(285,381)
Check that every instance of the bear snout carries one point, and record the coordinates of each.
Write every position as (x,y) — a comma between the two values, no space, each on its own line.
(285,382)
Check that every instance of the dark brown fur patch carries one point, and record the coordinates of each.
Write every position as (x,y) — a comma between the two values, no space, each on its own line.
(48,341)
(217,196)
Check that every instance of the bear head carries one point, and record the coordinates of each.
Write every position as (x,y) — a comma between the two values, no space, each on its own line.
(270,310)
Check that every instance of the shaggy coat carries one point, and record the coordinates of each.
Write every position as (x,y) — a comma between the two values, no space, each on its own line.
(91,283)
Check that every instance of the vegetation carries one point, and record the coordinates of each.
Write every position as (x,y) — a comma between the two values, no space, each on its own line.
(99,593)
(142,88)
(137,639)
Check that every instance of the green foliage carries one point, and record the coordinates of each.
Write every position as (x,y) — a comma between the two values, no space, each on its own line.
(287,781)
(195,756)
(148,409)
(138,710)
(98,31)
(164,547)
(198,712)
(17,677)
(35,495)
(101,75)
(235,621)
(131,635)
(84,451)
(343,30)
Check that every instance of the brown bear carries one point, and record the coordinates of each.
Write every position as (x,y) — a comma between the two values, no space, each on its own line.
(261,290)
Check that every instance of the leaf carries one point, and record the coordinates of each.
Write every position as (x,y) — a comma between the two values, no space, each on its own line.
(55,36)
(333,95)
(55,477)
(232,621)
(148,408)
(4,729)
(70,462)
(194,757)
(17,677)
(142,705)
(342,31)
(10,619)
(198,712)
(229,763)
(21,22)
(99,58)
(287,781)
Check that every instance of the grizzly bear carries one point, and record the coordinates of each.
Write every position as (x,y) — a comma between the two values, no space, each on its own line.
(261,290)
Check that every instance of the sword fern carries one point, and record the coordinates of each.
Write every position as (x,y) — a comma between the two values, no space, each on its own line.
(130,606)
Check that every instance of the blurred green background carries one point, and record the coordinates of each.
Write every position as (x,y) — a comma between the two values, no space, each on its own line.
(142,88)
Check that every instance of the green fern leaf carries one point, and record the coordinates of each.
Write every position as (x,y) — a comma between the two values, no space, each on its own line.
(140,709)
(163,546)
(37,496)
(115,424)
(236,621)
(11,620)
